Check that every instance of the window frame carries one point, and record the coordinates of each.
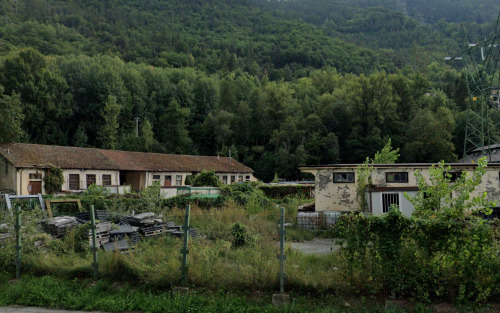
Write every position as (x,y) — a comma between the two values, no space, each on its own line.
(387,208)
(71,181)
(177,183)
(345,180)
(396,181)
(87,179)
(104,181)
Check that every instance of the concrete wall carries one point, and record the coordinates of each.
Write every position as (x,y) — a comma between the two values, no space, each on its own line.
(332,196)
(8,177)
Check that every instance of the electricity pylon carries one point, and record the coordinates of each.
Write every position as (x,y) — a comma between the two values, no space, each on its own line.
(481,72)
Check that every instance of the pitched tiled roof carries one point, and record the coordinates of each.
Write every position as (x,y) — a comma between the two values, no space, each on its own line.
(23,155)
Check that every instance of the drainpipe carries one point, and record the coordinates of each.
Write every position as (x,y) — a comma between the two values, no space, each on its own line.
(21,182)
(371,203)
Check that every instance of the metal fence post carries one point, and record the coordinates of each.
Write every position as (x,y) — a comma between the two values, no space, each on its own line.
(94,243)
(18,242)
(281,256)
(185,251)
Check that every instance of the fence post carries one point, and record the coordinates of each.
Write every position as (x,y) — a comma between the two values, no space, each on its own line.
(282,256)
(18,242)
(185,250)
(94,243)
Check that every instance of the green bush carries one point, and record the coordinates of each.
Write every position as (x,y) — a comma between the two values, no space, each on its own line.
(279,191)
(53,180)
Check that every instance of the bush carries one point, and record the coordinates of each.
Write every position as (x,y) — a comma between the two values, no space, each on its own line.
(53,180)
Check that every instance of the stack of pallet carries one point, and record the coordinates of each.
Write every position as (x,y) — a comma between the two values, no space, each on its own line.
(84,217)
(144,219)
(58,226)
(102,233)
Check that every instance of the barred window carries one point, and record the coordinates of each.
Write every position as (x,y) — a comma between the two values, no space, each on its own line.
(388,200)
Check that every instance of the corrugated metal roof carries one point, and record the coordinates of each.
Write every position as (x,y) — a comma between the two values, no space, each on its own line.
(23,155)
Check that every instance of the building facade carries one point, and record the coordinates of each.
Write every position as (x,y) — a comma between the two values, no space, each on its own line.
(25,167)
(336,185)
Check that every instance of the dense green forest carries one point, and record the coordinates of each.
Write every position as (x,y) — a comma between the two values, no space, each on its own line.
(281,84)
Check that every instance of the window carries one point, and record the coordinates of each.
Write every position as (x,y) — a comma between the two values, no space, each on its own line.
(74,182)
(233,179)
(343,177)
(106,180)
(247,178)
(35,176)
(90,179)
(168,180)
(396,177)
(240,178)
(388,200)
(453,176)
(178,180)
(224,179)
(156,178)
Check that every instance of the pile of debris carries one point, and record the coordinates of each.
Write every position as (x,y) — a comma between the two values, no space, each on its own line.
(117,237)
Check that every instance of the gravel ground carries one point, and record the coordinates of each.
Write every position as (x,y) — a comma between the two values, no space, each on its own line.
(316,246)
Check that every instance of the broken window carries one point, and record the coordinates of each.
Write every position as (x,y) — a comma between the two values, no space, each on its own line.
(453,176)
(35,176)
(74,182)
(396,177)
(224,179)
(343,177)
(240,178)
(233,179)
(178,180)
(90,179)
(106,180)
(389,200)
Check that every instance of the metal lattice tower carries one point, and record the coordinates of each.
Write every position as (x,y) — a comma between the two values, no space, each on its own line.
(482,76)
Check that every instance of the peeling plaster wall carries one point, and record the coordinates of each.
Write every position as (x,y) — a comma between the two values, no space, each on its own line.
(332,196)
(8,177)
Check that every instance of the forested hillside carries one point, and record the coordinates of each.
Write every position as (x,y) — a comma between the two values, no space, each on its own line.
(281,84)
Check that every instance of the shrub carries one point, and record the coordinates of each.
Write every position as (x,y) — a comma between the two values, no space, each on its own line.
(53,180)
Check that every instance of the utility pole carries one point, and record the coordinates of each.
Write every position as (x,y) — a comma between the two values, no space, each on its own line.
(137,126)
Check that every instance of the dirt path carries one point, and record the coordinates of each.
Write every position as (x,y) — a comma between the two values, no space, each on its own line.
(316,246)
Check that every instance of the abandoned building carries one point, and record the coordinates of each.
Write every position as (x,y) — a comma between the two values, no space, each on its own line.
(336,188)
(24,167)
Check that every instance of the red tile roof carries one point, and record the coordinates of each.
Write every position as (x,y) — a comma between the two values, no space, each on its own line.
(23,155)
